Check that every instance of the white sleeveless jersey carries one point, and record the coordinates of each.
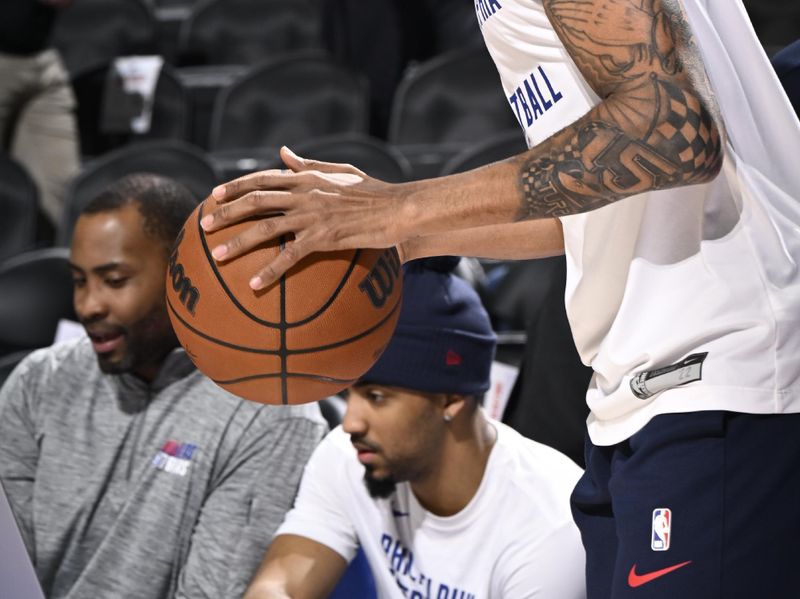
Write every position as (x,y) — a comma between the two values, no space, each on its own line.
(687,299)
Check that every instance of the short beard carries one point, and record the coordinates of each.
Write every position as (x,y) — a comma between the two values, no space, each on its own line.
(108,367)
(379,488)
(150,341)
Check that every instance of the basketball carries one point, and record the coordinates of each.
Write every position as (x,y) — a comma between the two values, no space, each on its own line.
(308,336)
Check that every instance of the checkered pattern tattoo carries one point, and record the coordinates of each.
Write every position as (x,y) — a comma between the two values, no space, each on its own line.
(688,131)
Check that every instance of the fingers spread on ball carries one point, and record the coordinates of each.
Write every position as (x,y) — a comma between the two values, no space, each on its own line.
(254,203)
(262,231)
(274,179)
(290,255)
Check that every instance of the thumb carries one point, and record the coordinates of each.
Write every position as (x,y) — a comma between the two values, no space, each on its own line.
(297,164)
(292,160)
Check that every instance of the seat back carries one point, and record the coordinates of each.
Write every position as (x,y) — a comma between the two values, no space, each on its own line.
(19,199)
(169,158)
(289,100)
(453,98)
(36,288)
(498,147)
(373,156)
(170,116)
(247,31)
(777,22)
(91,32)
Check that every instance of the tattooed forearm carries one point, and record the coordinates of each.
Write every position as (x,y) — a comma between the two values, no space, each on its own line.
(603,162)
(653,130)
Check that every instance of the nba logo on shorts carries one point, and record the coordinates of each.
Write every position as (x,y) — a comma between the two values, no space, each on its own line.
(662,526)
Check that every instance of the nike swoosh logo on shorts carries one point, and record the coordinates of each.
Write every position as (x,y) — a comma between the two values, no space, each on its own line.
(637,580)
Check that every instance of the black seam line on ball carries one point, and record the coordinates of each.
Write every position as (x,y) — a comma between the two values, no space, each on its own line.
(207,337)
(213,263)
(284,386)
(334,295)
(292,375)
(289,352)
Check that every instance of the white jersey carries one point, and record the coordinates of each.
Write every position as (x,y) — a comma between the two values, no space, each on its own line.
(687,299)
(515,539)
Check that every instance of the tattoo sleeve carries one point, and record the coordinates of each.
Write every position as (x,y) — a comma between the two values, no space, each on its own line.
(656,126)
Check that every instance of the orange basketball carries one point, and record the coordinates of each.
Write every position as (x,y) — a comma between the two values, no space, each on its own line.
(311,334)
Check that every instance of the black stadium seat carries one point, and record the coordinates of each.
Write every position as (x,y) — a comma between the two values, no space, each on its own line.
(247,31)
(92,32)
(36,288)
(174,159)
(445,103)
(373,156)
(18,205)
(453,98)
(497,147)
(170,116)
(286,101)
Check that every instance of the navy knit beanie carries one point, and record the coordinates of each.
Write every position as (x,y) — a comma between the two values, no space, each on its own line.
(444,341)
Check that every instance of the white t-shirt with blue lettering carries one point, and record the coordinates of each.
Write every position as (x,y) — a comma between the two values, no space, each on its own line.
(514,540)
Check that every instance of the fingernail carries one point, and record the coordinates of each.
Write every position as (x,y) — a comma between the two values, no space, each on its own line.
(207,221)
(219,252)
(255,283)
(293,154)
(218,192)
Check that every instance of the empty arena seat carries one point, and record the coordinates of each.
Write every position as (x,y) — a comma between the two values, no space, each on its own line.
(373,156)
(19,207)
(446,102)
(36,288)
(170,112)
(169,158)
(289,100)
(247,31)
(92,32)
(498,147)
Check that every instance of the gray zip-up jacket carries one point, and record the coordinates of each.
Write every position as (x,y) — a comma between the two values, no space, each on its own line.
(127,490)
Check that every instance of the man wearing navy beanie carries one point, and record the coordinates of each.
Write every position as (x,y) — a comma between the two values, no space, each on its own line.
(444,501)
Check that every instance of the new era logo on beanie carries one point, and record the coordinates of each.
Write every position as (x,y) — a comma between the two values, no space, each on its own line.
(452,358)
(444,342)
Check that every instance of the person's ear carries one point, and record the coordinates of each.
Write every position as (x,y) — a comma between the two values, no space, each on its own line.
(453,406)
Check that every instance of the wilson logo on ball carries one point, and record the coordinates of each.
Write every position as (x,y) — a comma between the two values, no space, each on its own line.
(188,295)
(314,332)
(380,281)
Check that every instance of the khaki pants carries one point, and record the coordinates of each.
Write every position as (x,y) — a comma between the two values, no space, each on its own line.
(37,123)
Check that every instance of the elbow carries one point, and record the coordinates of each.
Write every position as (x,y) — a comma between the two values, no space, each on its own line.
(710,172)
(688,129)
(705,164)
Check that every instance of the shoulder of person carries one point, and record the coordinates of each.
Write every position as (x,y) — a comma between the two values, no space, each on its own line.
(58,360)
(537,472)
(335,453)
(339,441)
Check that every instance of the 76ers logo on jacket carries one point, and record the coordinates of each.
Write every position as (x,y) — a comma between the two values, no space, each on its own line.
(662,529)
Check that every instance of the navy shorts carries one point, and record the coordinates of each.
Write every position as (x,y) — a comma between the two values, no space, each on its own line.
(702,505)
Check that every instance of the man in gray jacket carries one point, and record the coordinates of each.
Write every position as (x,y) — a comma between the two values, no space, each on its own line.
(131,474)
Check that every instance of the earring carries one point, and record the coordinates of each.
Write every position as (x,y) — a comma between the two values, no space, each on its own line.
(448,418)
